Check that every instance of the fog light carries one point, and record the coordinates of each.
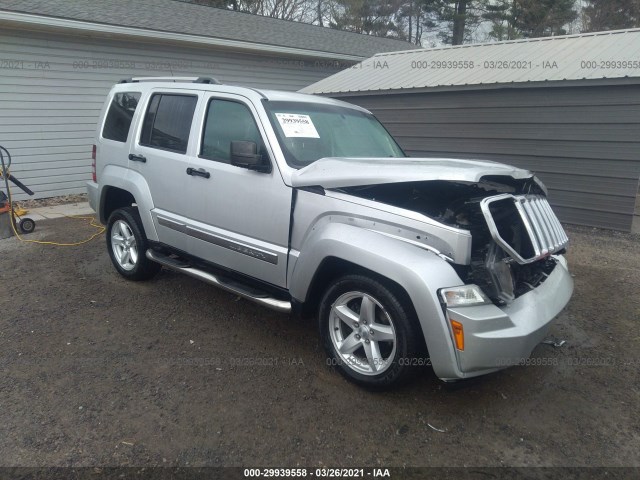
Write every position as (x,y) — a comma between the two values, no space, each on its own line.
(458,334)
(464,296)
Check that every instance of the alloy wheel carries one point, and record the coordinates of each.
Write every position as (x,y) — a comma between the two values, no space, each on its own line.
(123,243)
(362,333)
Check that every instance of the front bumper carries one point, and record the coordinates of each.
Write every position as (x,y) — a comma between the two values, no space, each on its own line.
(498,337)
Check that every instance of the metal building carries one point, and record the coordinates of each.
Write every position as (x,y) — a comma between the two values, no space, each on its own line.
(59,58)
(565,107)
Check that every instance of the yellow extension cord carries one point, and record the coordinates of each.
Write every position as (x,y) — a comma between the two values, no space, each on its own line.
(57,244)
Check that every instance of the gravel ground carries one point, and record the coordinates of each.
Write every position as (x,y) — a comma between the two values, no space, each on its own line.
(52,201)
(100,371)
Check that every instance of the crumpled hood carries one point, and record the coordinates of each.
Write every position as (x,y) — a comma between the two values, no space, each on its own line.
(353,172)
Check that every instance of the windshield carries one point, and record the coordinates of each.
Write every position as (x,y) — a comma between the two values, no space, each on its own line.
(310,131)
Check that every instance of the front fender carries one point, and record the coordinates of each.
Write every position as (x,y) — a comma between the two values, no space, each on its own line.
(136,185)
(420,272)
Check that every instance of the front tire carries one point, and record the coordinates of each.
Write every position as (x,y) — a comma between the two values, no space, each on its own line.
(369,334)
(127,245)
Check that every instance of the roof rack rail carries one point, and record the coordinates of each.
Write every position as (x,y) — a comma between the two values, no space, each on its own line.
(206,80)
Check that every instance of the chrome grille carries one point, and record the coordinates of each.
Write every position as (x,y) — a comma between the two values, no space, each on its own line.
(542,227)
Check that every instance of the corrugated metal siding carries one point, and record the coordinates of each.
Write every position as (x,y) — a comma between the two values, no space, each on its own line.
(588,56)
(583,142)
(51,94)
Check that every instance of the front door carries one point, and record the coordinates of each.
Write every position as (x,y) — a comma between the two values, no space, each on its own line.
(239,217)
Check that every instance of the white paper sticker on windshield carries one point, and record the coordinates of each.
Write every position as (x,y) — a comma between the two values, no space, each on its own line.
(296,125)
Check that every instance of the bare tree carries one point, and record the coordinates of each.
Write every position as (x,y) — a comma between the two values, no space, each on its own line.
(611,14)
(297,10)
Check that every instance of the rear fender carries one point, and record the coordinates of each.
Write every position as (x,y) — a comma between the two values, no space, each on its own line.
(136,185)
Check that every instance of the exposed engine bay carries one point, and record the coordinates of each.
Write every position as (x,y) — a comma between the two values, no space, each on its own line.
(513,230)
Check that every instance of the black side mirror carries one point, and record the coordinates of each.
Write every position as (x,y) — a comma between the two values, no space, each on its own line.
(245,155)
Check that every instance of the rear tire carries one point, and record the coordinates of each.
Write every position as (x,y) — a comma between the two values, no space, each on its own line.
(127,245)
(369,335)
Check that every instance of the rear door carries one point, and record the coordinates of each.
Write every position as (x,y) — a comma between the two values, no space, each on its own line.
(160,155)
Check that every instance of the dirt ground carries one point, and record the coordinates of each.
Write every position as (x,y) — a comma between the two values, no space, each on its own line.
(96,370)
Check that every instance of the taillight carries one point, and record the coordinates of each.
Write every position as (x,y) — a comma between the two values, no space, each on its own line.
(93,164)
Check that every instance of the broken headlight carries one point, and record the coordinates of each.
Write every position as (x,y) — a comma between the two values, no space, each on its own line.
(464,296)
(500,273)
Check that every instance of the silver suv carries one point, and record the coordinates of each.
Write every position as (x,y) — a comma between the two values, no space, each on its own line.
(307,205)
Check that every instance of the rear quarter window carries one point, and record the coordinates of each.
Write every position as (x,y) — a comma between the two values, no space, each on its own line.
(121,111)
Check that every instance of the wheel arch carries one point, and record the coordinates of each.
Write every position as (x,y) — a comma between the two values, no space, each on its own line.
(333,267)
(122,187)
(112,199)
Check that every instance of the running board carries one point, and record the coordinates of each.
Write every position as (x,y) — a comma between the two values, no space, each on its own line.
(253,295)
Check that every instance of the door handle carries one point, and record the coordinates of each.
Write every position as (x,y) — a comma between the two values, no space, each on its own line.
(200,172)
(137,158)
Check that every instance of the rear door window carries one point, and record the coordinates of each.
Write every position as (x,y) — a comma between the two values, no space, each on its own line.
(168,122)
(118,121)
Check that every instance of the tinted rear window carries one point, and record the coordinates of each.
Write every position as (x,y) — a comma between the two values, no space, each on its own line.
(168,122)
(118,121)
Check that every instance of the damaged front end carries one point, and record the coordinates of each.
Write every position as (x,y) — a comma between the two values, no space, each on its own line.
(514,231)
(515,277)
(525,233)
